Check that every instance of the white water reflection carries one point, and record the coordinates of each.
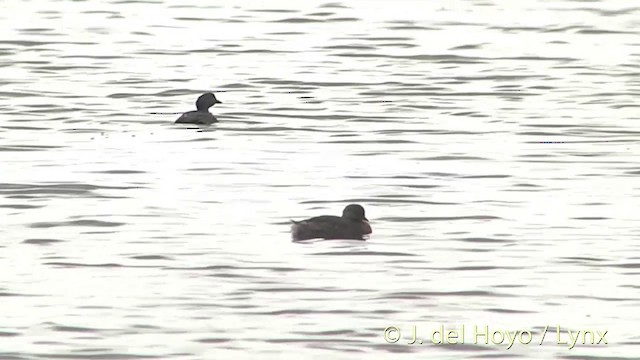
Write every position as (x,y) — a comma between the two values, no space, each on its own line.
(493,145)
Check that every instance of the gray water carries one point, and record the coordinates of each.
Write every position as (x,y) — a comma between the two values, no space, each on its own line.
(493,144)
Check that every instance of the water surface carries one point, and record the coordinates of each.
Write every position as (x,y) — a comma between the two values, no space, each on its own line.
(494,145)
